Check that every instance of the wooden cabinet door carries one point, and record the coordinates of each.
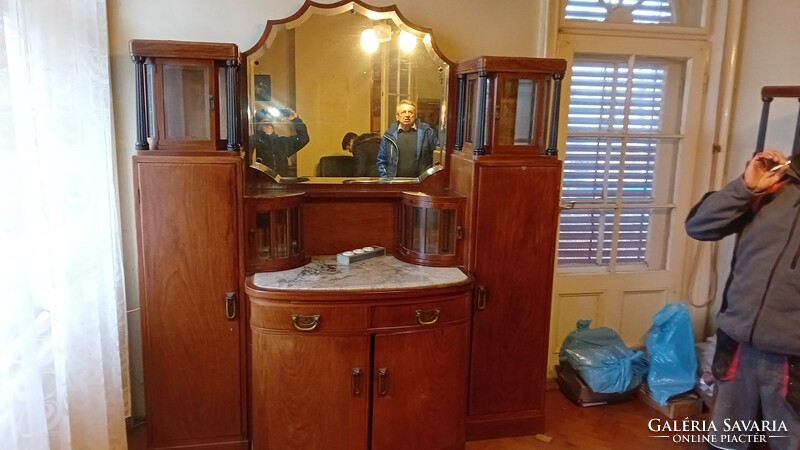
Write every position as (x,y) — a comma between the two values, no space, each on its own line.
(189,262)
(308,396)
(419,389)
(515,232)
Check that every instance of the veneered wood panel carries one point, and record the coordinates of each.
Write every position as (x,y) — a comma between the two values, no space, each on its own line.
(333,225)
(279,317)
(189,243)
(514,244)
(179,49)
(303,394)
(423,405)
(444,310)
(462,181)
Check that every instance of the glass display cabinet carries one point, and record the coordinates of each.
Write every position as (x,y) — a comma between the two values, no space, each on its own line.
(274,233)
(503,105)
(431,228)
(185,95)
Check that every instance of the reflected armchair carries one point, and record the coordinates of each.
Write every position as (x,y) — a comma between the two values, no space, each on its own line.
(365,153)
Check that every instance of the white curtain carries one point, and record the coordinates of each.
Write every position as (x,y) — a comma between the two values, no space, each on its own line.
(61,314)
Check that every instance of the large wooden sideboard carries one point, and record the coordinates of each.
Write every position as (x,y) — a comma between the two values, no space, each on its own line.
(254,337)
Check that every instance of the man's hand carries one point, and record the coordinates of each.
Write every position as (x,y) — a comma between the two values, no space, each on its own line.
(757,175)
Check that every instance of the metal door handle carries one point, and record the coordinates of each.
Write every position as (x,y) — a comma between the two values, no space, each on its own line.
(383,381)
(480,298)
(355,384)
(230,305)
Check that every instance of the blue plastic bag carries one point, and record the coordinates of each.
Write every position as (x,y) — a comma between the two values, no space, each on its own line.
(671,353)
(602,359)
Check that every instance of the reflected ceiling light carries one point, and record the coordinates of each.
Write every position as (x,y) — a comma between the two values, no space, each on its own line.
(369,41)
(407,41)
(371,38)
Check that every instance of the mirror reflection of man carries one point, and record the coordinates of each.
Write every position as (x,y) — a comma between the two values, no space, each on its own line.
(407,145)
(274,150)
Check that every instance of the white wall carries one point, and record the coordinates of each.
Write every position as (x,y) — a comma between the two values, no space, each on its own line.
(462,29)
(768,57)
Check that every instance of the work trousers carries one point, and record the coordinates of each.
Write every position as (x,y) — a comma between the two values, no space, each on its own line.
(755,400)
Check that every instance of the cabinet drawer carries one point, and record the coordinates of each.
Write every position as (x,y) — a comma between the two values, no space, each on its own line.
(449,309)
(308,318)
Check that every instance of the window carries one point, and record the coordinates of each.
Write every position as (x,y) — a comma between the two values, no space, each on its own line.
(630,139)
(684,13)
(620,160)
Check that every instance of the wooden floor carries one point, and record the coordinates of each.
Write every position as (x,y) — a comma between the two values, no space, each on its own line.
(568,426)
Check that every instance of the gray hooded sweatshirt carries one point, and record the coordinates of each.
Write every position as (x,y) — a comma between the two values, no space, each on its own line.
(761,300)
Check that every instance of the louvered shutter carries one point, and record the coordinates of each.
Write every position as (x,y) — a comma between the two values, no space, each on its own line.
(614,126)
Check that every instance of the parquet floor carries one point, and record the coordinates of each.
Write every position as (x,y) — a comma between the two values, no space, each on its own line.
(609,427)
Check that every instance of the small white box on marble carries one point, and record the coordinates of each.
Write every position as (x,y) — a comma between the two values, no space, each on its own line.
(359,254)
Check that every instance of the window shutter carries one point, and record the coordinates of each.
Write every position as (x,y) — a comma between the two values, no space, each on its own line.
(613,123)
(641,11)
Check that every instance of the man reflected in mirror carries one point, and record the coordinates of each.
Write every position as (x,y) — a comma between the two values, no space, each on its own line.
(407,145)
(274,150)
(347,142)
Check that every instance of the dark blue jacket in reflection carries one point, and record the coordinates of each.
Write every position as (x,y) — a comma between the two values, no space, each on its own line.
(274,150)
(389,153)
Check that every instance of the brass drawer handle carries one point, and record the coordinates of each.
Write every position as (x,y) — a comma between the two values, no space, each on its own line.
(428,317)
(305,323)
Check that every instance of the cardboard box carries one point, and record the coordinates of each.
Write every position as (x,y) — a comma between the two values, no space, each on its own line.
(574,388)
(678,407)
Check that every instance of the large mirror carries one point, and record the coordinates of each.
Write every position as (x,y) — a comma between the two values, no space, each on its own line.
(327,84)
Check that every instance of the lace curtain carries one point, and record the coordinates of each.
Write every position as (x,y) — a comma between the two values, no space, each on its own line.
(61,316)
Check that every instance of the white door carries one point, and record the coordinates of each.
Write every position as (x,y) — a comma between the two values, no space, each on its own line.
(629,146)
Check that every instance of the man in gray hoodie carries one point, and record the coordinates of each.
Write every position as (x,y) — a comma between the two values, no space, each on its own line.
(757,360)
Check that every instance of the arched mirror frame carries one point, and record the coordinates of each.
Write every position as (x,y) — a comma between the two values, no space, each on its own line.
(262,179)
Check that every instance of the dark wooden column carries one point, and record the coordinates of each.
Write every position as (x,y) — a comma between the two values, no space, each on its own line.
(552,144)
(480,132)
(232,67)
(141,103)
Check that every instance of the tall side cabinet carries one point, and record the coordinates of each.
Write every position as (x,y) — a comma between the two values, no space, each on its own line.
(188,195)
(193,326)
(504,163)
(512,245)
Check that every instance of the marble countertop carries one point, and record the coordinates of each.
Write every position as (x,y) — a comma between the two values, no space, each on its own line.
(375,274)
